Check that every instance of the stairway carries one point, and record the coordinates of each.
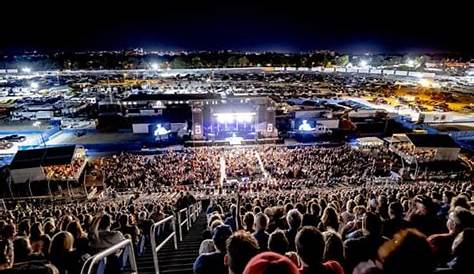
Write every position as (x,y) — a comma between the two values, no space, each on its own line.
(176,261)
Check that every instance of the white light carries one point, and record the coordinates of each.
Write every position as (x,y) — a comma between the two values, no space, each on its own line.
(305,126)
(363,63)
(155,66)
(37,124)
(411,62)
(26,70)
(244,118)
(34,85)
(241,117)
(225,118)
(160,130)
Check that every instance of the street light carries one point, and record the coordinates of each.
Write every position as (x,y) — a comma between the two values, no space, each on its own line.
(363,63)
(155,66)
(411,62)
(26,70)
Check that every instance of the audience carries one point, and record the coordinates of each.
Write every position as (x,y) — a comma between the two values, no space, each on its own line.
(294,210)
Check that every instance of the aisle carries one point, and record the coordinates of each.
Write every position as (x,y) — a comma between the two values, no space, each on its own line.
(260,163)
(222,170)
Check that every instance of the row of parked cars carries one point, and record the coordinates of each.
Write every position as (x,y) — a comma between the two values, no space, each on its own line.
(6,142)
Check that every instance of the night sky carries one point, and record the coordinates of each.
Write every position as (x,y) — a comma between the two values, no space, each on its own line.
(290,26)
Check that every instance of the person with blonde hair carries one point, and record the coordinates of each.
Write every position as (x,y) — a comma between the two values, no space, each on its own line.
(63,255)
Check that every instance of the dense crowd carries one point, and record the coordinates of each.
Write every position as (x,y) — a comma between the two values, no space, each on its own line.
(192,166)
(422,228)
(325,164)
(279,164)
(65,172)
(242,163)
(48,238)
(303,210)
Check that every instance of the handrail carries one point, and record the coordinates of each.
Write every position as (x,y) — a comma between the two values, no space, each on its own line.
(195,210)
(109,251)
(154,248)
(192,212)
(180,224)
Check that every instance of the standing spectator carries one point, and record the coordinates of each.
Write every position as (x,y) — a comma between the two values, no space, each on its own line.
(249,222)
(278,243)
(333,247)
(364,248)
(459,219)
(261,235)
(395,222)
(347,215)
(312,218)
(294,220)
(81,243)
(241,247)
(213,263)
(329,219)
(128,229)
(231,220)
(62,254)
(101,237)
(310,248)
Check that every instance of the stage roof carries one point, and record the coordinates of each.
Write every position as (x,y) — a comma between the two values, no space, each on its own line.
(171,97)
(432,140)
(43,157)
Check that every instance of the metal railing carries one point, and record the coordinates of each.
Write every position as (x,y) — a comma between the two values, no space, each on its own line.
(154,248)
(195,210)
(92,261)
(181,223)
(192,213)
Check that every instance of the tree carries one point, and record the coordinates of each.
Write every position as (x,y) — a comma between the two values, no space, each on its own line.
(232,61)
(196,62)
(243,61)
(342,60)
(178,63)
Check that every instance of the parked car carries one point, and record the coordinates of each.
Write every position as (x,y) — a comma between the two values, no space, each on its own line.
(13,138)
(5,145)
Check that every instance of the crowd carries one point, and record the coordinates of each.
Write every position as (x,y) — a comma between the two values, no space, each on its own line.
(191,166)
(314,211)
(47,238)
(326,164)
(242,163)
(65,172)
(416,228)
(283,165)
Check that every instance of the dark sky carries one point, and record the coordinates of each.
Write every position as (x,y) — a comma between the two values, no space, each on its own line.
(291,25)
